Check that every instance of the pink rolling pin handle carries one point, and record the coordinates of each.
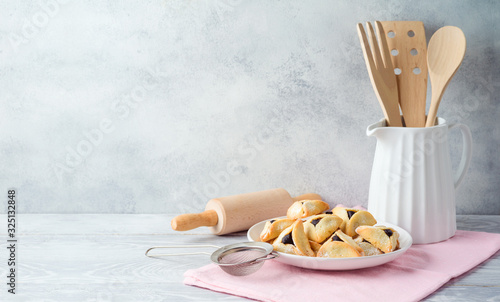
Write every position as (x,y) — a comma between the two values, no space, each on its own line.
(186,222)
(307,196)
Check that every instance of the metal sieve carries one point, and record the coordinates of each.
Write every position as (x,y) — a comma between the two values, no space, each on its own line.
(239,259)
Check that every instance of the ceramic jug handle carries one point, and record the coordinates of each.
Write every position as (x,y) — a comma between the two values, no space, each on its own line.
(466,152)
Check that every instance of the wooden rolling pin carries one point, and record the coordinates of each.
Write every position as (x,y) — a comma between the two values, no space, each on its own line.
(239,212)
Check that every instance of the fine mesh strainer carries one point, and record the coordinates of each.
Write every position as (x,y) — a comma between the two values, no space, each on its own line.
(239,259)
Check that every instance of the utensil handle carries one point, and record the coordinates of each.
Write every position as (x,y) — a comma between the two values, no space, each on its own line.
(186,222)
(307,196)
(178,246)
(466,152)
(268,257)
(431,116)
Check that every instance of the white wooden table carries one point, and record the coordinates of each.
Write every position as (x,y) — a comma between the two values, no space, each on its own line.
(100,257)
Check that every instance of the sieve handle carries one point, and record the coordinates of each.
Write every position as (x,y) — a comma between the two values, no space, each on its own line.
(272,255)
(179,246)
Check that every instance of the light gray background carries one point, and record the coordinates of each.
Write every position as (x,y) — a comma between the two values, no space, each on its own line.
(163,98)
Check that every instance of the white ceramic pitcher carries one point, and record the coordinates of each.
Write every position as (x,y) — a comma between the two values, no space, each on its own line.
(412,184)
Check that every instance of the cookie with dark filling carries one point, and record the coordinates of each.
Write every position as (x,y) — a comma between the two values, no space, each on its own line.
(314,246)
(339,245)
(319,227)
(353,218)
(345,214)
(293,240)
(369,249)
(274,227)
(306,208)
(381,237)
(359,218)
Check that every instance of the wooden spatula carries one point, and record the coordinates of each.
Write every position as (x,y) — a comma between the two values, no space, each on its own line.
(408,47)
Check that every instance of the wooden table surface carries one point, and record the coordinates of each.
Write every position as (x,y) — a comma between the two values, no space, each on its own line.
(100,257)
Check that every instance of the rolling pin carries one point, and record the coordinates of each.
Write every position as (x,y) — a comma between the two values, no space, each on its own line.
(239,212)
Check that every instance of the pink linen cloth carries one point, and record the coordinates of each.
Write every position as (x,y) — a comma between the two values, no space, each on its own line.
(411,277)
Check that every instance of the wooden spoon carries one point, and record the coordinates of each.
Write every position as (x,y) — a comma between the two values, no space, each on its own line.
(445,53)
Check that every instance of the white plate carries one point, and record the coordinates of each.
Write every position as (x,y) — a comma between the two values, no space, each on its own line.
(405,242)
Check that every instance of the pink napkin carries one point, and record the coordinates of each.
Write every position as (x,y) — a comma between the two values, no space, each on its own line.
(411,277)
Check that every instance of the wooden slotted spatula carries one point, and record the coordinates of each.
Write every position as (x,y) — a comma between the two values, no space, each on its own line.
(408,47)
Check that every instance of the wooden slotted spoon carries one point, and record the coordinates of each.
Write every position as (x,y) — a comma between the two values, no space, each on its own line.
(408,47)
(381,72)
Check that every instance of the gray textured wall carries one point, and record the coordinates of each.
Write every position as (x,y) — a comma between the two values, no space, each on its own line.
(157,106)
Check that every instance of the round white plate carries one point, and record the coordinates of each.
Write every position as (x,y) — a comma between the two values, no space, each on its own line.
(405,242)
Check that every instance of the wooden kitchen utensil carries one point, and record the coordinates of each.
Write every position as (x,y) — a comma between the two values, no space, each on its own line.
(408,47)
(381,72)
(239,212)
(445,53)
